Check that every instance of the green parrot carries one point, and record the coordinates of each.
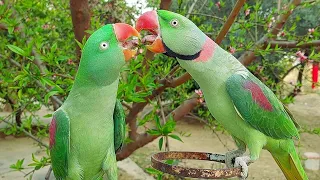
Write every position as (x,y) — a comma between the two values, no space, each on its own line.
(246,108)
(87,130)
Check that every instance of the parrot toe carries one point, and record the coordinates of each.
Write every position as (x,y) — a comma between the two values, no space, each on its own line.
(243,162)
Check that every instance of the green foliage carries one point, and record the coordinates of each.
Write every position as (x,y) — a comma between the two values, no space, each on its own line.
(155,172)
(164,130)
(18,166)
(37,164)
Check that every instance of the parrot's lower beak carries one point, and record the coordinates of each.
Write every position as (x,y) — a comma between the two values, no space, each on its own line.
(123,33)
(149,21)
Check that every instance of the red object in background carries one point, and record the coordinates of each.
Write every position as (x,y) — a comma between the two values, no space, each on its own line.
(315,70)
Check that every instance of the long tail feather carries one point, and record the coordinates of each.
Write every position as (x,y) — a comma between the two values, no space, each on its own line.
(291,166)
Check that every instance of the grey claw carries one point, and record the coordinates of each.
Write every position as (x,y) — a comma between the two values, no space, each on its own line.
(242,162)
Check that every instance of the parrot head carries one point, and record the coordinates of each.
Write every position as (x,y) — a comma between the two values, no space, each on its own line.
(106,51)
(172,34)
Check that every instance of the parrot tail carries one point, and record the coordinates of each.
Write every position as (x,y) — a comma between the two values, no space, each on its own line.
(290,165)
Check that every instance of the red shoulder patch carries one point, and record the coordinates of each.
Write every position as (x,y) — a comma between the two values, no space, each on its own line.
(258,95)
(207,50)
(52,132)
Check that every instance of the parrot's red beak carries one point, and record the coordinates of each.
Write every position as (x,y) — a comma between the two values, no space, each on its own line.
(149,21)
(123,33)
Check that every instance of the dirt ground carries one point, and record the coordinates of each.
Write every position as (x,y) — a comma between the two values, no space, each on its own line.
(305,108)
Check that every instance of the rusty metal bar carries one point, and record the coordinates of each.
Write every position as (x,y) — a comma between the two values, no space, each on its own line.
(157,163)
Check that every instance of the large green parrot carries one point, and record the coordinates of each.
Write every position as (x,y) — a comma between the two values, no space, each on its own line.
(246,108)
(89,127)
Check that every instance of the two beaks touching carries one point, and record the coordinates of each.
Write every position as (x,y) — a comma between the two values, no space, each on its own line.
(125,35)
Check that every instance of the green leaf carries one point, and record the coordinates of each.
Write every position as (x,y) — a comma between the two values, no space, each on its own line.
(47,81)
(20,93)
(17,50)
(136,99)
(79,44)
(18,77)
(153,171)
(51,93)
(158,122)
(160,143)
(47,115)
(18,165)
(175,137)
(159,177)
(54,47)
(168,127)
(154,132)
(172,161)
(34,158)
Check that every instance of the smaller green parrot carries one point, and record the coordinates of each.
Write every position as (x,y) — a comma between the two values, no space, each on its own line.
(246,107)
(87,130)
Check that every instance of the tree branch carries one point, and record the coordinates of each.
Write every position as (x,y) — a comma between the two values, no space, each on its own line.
(292,44)
(165,4)
(80,14)
(191,8)
(234,13)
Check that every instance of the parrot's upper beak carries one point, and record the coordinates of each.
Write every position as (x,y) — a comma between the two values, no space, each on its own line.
(123,33)
(149,21)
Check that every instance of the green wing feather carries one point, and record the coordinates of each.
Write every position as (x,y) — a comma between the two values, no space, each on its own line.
(119,119)
(261,109)
(60,143)
(291,116)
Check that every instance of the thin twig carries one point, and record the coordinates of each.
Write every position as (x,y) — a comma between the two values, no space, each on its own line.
(173,70)
(28,134)
(191,8)
(126,105)
(48,173)
(163,117)
(293,67)
(26,174)
(204,3)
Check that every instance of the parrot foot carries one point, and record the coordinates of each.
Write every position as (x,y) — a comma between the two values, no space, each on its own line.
(231,155)
(243,162)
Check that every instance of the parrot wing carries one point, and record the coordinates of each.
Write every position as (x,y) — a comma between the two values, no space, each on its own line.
(119,119)
(258,106)
(59,145)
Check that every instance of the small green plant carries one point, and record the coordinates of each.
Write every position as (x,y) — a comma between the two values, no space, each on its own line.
(18,166)
(164,130)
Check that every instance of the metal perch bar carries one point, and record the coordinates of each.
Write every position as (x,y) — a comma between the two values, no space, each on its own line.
(156,162)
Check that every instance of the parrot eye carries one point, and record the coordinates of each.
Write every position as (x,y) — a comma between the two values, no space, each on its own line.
(104,45)
(174,23)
